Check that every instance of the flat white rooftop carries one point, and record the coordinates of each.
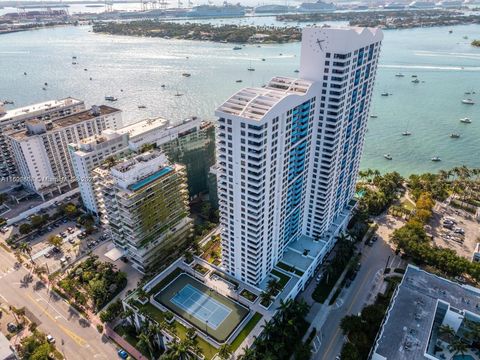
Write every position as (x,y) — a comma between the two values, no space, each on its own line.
(143,126)
(254,103)
(37,109)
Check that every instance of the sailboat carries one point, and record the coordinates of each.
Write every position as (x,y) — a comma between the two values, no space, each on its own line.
(251,68)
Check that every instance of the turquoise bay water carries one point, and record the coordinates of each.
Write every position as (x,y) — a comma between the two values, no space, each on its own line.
(431,110)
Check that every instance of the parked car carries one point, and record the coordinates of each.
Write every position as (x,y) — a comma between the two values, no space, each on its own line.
(47,255)
(50,339)
(122,353)
(71,241)
(12,327)
(358,266)
(348,283)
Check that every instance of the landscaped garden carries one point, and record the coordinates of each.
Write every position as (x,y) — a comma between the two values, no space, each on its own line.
(248,295)
(290,269)
(212,250)
(202,270)
(343,254)
(91,284)
(281,338)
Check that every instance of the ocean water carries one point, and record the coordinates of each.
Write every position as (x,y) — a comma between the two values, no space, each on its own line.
(133,69)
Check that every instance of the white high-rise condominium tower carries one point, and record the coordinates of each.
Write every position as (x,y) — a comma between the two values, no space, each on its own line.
(288,153)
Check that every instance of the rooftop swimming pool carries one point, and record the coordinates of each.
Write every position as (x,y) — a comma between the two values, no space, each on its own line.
(150,178)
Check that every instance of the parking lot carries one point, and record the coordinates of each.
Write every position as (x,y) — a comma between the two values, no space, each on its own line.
(454,229)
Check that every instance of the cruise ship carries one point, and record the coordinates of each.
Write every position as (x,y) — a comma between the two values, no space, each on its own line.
(273,9)
(318,6)
(207,11)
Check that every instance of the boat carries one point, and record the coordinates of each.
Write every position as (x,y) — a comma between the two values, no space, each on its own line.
(450,31)
(416,81)
(263,59)
(436,159)
(186,74)
(399,75)
(296,71)
(163,86)
(466,120)
(24,73)
(74,58)
(385,94)
(251,69)
(414,76)
(91,79)
(388,156)
(44,88)
(467,92)
(406,133)
(454,135)
(142,107)
(85,69)
(239,81)
(8,102)
(74,63)
(237,48)
(465,37)
(110,98)
(468,101)
(46,84)
(374,116)
(178,94)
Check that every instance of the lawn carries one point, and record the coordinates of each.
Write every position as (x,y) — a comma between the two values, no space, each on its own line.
(289,268)
(165,281)
(248,295)
(407,204)
(245,331)
(283,279)
(208,350)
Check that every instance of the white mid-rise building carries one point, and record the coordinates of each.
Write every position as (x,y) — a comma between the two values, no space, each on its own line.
(91,152)
(288,154)
(145,198)
(41,149)
(14,120)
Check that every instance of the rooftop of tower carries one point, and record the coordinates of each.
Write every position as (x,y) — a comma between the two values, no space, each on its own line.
(254,103)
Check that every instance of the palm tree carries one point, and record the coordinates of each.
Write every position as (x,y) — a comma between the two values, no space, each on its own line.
(145,344)
(267,331)
(265,298)
(26,249)
(225,352)
(248,354)
(178,350)
(40,270)
(458,347)
(273,286)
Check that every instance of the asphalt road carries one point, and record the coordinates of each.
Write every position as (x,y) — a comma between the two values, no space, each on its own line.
(351,301)
(75,337)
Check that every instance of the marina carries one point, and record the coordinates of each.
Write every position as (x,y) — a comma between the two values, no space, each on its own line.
(153,68)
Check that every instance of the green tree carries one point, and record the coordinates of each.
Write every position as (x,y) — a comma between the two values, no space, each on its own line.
(26,248)
(145,345)
(25,228)
(56,241)
(225,352)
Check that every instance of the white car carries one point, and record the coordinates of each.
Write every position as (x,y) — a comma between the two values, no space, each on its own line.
(50,339)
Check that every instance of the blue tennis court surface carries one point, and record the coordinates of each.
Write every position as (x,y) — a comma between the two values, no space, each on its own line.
(201,306)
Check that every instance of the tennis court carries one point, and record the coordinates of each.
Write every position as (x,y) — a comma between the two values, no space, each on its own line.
(203,307)
(207,310)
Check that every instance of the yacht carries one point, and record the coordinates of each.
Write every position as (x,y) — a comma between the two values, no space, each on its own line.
(111,98)
(416,81)
(74,63)
(163,86)
(374,116)
(74,58)
(24,73)
(263,59)
(296,71)
(436,158)
(406,133)
(414,76)
(142,107)
(467,92)
(466,120)
(454,135)
(186,74)
(468,101)
(237,48)
(385,94)
(399,75)
(239,81)
(85,69)
(178,94)
(251,69)
(388,156)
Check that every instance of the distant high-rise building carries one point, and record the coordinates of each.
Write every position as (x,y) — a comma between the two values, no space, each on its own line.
(41,148)
(14,120)
(146,201)
(288,153)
